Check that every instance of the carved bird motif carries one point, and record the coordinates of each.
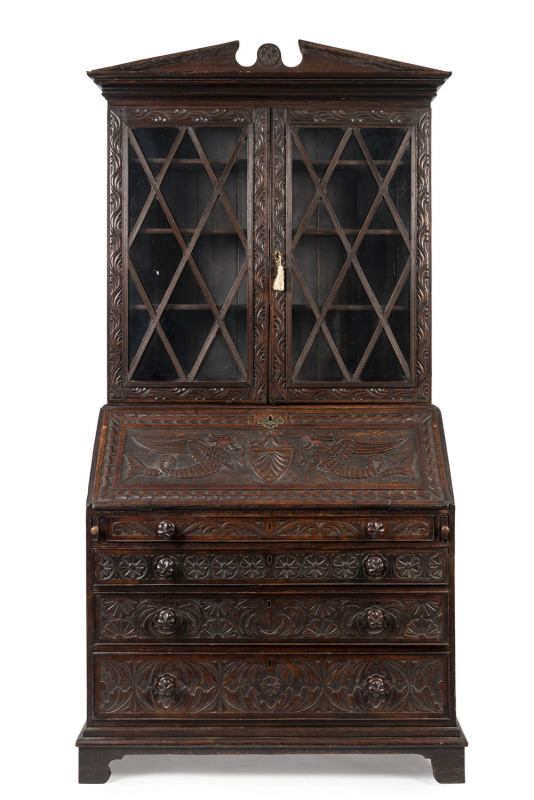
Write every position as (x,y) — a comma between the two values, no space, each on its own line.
(211,455)
(332,458)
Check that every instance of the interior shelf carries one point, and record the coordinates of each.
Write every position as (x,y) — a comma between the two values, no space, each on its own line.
(242,306)
(333,232)
(210,231)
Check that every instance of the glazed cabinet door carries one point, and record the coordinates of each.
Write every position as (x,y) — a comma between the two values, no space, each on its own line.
(350,219)
(187,289)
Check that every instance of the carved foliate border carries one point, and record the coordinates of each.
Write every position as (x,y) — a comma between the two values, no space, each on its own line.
(256,391)
(115,287)
(278,299)
(423,345)
(260,205)
(166,116)
(360,116)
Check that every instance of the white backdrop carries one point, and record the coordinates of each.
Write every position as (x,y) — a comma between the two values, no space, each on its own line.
(53,316)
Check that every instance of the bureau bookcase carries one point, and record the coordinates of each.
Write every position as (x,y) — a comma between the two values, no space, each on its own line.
(270,518)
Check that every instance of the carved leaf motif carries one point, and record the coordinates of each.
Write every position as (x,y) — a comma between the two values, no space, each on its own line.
(119,629)
(119,608)
(422,629)
(321,628)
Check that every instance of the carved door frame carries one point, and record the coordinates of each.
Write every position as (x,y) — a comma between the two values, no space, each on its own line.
(418,383)
(120,385)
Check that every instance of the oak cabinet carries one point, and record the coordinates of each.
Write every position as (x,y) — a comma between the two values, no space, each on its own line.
(270,514)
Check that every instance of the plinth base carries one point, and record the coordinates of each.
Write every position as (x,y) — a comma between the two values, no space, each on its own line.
(445,746)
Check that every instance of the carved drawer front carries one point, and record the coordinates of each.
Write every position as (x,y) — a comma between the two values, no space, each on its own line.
(260,617)
(351,566)
(167,527)
(270,685)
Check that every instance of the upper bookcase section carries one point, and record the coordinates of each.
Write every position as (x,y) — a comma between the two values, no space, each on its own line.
(211,73)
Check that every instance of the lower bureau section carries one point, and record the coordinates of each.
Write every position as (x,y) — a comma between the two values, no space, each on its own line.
(259,685)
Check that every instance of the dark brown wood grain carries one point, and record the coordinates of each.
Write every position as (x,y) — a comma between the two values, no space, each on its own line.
(270,554)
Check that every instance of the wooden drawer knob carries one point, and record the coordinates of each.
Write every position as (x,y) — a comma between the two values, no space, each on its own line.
(166,621)
(376,687)
(166,529)
(375,618)
(374,566)
(164,567)
(165,690)
(375,528)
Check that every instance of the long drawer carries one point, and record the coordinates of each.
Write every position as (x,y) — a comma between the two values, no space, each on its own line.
(343,565)
(166,526)
(251,618)
(136,686)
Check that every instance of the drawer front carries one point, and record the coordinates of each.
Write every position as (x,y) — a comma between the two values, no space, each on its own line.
(341,566)
(165,527)
(247,618)
(272,685)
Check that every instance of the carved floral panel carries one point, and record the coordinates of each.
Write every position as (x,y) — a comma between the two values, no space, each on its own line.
(345,565)
(225,686)
(336,618)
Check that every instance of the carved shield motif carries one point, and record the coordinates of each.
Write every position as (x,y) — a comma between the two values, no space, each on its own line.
(270,462)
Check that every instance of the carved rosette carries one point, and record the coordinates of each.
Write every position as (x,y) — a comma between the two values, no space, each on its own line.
(269,55)
(132,567)
(105,568)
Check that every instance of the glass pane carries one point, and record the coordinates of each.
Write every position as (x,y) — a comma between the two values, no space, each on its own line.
(199,293)
(346,291)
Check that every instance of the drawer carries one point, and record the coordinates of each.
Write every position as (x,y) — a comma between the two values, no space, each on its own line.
(344,565)
(167,526)
(259,617)
(137,686)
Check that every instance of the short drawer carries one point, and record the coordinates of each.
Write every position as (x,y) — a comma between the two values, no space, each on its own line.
(260,617)
(254,566)
(167,526)
(137,686)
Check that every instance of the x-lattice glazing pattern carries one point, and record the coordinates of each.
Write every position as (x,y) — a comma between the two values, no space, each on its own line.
(350,255)
(189,257)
